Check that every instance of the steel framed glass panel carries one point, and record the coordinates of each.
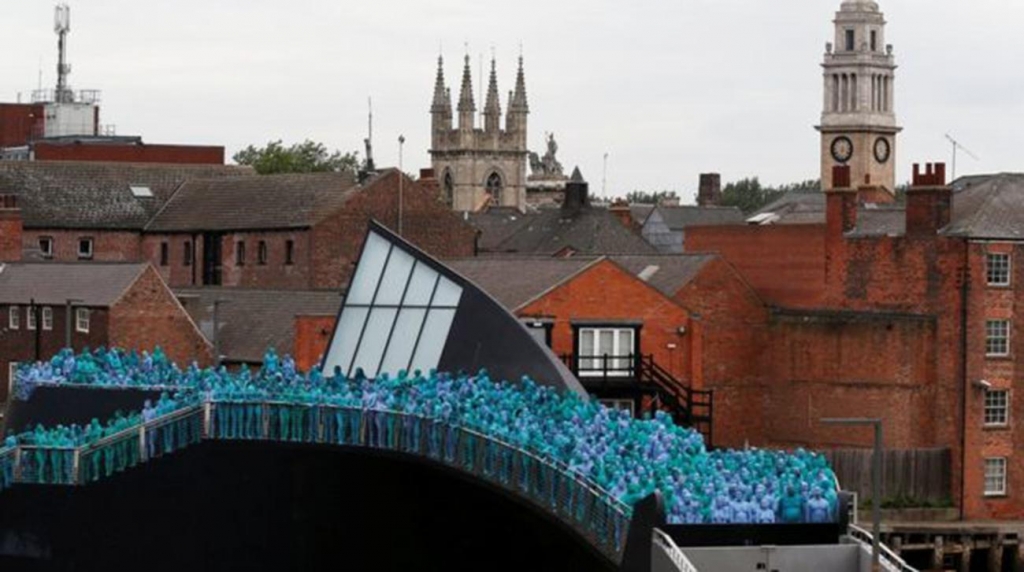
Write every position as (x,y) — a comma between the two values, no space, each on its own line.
(397,315)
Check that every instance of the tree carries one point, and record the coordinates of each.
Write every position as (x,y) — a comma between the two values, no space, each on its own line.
(749,195)
(306,157)
(650,197)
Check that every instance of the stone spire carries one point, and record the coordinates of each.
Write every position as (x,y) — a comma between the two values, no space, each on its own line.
(442,103)
(492,110)
(518,102)
(467,107)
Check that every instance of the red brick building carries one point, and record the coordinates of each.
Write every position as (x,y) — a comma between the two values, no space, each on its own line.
(904,313)
(109,304)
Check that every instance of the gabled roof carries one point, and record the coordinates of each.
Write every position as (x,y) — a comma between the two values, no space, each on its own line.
(516,281)
(680,217)
(794,207)
(640,213)
(83,195)
(94,284)
(246,203)
(548,232)
(667,273)
(250,321)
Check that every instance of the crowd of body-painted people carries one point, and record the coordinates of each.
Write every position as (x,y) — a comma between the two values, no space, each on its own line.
(629,458)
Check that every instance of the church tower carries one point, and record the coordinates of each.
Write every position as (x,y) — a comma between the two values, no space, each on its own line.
(858,124)
(479,166)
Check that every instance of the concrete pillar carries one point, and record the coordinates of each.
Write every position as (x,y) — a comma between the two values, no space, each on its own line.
(995,554)
(937,553)
(965,555)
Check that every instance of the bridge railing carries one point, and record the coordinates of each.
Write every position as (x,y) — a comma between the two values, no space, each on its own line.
(593,513)
(8,463)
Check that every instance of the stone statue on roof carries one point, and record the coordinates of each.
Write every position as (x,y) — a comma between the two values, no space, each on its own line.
(547,167)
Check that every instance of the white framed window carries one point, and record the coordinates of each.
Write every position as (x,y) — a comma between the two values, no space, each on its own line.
(997,408)
(46,246)
(85,248)
(12,369)
(606,351)
(620,404)
(997,338)
(30,317)
(997,269)
(47,318)
(995,476)
(82,320)
(14,318)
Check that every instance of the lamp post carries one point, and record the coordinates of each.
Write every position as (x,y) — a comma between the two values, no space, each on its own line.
(401,180)
(876,482)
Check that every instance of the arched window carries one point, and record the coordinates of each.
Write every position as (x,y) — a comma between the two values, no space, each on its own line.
(448,188)
(495,187)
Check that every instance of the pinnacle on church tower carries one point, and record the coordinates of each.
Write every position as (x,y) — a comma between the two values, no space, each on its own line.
(518,102)
(441,103)
(492,110)
(467,107)
(858,122)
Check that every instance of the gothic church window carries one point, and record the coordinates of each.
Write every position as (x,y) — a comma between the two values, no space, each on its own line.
(449,189)
(494,187)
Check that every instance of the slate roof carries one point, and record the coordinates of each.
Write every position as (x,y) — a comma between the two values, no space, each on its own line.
(250,321)
(640,213)
(246,203)
(666,273)
(795,207)
(515,281)
(593,231)
(95,284)
(86,195)
(989,207)
(681,217)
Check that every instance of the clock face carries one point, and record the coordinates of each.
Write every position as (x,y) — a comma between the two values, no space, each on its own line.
(882,150)
(842,149)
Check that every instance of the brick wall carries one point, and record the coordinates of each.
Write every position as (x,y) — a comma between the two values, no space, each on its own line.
(107,245)
(176,272)
(276,272)
(312,334)
(785,264)
(148,315)
(10,229)
(176,154)
(19,123)
(20,345)
(427,223)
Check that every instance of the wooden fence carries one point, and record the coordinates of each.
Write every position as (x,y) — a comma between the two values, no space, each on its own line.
(918,474)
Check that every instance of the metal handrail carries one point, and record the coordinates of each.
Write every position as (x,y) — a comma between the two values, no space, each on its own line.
(889,559)
(674,553)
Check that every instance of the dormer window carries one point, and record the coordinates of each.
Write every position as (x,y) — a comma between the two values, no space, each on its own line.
(851,38)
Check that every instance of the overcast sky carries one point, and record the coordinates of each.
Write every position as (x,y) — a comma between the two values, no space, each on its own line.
(668,88)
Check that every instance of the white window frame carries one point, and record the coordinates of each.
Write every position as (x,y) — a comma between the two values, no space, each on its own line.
(991,338)
(30,317)
(990,268)
(627,404)
(591,365)
(48,241)
(14,318)
(12,368)
(995,475)
(47,318)
(994,412)
(82,320)
(82,253)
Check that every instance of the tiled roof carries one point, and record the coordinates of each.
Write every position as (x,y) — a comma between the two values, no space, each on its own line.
(640,213)
(593,231)
(667,273)
(63,194)
(989,207)
(795,207)
(678,218)
(96,284)
(250,321)
(245,203)
(496,225)
(514,281)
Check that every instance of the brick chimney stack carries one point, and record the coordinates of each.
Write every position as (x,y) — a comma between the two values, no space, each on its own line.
(620,209)
(10,228)
(929,201)
(710,190)
(841,202)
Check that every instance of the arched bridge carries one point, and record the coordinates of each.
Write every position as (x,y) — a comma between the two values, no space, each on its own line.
(592,513)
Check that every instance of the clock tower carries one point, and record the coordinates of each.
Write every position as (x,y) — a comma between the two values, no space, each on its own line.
(858,125)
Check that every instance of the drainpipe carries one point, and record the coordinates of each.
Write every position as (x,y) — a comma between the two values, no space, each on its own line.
(964,382)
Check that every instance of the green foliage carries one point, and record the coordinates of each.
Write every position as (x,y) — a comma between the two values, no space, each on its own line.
(650,197)
(306,157)
(750,195)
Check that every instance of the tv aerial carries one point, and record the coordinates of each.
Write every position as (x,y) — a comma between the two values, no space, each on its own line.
(958,147)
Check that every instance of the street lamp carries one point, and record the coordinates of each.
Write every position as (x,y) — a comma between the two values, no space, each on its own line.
(876,481)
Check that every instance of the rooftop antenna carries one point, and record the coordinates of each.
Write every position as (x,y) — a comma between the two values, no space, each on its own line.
(62,25)
(958,147)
